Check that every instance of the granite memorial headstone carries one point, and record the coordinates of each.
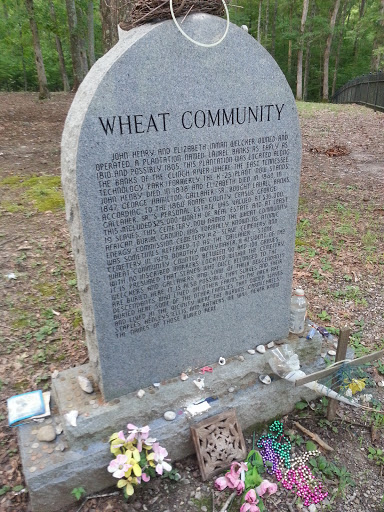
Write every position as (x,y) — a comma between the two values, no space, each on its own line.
(181,173)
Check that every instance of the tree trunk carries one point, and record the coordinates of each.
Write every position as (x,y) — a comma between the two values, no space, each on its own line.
(59,49)
(361,14)
(43,85)
(23,60)
(75,43)
(327,50)
(307,63)
(290,40)
(266,23)
(339,44)
(273,47)
(112,13)
(259,22)
(378,43)
(299,75)
(91,34)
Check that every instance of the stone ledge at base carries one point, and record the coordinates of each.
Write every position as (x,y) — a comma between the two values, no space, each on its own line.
(51,473)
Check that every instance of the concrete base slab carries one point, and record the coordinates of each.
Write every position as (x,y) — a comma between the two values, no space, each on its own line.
(51,474)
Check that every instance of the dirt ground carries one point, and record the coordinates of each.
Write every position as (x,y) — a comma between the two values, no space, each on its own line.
(339,261)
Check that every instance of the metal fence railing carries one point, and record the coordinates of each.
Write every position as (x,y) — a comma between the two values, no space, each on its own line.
(366,90)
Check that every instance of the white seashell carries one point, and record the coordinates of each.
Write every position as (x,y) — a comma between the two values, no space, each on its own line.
(260,349)
(71,418)
(184,376)
(85,384)
(169,415)
(332,352)
(199,383)
(251,351)
(222,361)
(265,379)
(271,344)
(141,393)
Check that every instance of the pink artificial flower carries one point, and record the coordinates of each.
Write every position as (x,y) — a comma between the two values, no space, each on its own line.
(250,503)
(145,477)
(119,466)
(266,487)
(221,483)
(141,434)
(160,454)
(234,478)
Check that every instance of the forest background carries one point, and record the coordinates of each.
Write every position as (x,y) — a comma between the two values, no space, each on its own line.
(49,45)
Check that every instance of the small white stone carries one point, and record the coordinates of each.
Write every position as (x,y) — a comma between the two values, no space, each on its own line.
(231,389)
(169,415)
(260,349)
(332,352)
(199,383)
(251,351)
(71,418)
(85,384)
(184,376)
(240,358)
(59,429)
(141,393)
(222,361)
(265,379)
(55,374)
(381,384)
(312,507)
(244,27)
(271,344)
(156,384)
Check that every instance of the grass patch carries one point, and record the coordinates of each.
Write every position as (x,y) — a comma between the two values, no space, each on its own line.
(43,192)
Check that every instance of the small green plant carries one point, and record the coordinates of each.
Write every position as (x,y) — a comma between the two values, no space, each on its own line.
(324,316)
(72,282)
(324,423)
(330,471)
(326,266)
(296,439)
(46,330)
(376,455)
(317,275)
(78,492)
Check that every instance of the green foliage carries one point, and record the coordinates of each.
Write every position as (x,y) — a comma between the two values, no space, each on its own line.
(78,492)
(324,316)
(376,455)
(279,29)
(44,192)
(310,446)
(328,470)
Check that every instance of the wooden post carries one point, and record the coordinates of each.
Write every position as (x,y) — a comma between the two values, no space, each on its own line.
(341,354)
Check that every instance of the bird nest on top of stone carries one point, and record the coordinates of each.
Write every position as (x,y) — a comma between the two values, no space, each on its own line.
(149,11)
